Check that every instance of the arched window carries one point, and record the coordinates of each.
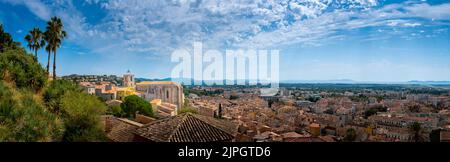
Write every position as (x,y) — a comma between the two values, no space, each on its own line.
(167,94)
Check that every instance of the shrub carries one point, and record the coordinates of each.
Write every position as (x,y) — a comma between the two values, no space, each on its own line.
(81,115)
(55,91)
(22,118)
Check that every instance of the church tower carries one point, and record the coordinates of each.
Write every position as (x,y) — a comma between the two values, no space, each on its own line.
(128,79)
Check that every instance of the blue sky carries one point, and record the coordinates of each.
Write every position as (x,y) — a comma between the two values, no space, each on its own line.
(363,40)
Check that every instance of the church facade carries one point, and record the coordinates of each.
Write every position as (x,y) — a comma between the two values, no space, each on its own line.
(167,91)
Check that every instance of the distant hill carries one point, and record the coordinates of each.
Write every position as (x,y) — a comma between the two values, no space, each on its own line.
(429,82)
(146,79)
(337,81)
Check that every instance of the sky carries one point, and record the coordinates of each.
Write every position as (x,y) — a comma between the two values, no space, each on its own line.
(361,40)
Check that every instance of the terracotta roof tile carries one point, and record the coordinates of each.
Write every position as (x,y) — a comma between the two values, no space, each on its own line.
(188,128)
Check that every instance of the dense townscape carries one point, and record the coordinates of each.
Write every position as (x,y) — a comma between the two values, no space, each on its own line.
(328,112)
(301,112)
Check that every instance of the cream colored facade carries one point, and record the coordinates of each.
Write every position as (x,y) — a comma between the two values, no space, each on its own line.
(128,80)
(167,91)
(163,109)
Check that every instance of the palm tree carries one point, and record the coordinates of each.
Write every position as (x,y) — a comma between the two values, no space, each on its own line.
(35,39)
(48,49)
(54,35)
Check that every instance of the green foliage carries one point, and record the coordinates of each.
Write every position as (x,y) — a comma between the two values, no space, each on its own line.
(233,97)
(187,110)
(54,92)
(116,111)
(373,110)
(35,40)
(435,135)
(359,98)
(416,132)
(54,36)
(380,98)
(6,41)
(329,111)
(133,104)
(433,91)
(370,112)
(21,68)
(203,92)
(22,118)
(81,115)
(313,98)
(350,135)
(415,108)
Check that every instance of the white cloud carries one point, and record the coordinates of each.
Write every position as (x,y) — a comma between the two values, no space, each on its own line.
(436,12)
(35,6)
(159,26)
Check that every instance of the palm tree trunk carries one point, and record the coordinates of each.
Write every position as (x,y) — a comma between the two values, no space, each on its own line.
(35,53)
(48,63)
(54,65)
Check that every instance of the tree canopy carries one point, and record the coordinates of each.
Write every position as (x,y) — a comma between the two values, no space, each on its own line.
(133,104)
(6,41)
(350,135)
(22,69)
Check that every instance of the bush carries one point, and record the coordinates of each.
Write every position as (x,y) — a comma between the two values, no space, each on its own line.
(133,104)
(55,91)
(81,115)
(233,97)
(20,68)
(116,111)
(22,118)
(350,135)
(187,110)
(370,112)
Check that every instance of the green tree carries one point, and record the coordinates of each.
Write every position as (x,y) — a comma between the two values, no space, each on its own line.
(350,135)
(415,108)
(6,41)
(219,112)
(55,91)
(35,39)
(20,68)
(54,35)
(233,97)
(416,132)
(116,111)
(81,115)
(133,104)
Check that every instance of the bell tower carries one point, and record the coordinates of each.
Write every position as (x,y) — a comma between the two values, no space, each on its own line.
(128,79)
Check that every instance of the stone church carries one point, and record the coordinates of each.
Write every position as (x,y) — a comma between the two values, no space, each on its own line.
(167,91)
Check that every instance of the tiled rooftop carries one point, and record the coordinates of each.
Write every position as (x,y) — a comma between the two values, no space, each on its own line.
(188,128)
